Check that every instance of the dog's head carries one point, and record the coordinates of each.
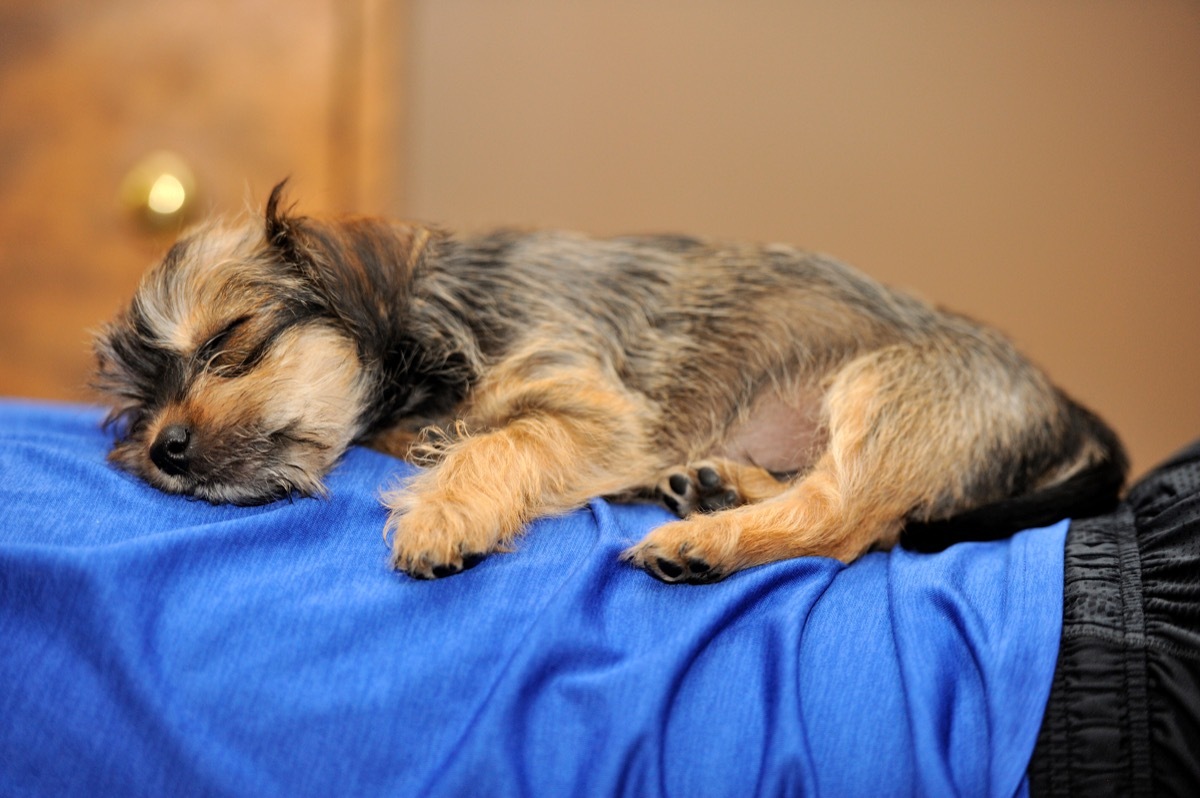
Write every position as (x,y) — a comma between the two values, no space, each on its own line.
(238,371)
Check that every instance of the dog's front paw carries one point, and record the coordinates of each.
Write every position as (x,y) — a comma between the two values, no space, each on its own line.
(696,551)
(430,540)
(697,488)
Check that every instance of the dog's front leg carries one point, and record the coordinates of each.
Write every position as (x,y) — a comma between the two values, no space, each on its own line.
(547,446)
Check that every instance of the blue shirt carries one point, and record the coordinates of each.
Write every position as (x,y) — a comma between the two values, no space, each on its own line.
(154,645)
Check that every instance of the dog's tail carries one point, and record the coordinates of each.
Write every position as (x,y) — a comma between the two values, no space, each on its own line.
(1093,490)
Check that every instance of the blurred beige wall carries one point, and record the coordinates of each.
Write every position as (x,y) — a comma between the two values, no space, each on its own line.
(1033,164)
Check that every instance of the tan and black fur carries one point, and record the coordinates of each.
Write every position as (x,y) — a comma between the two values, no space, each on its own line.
(781,403)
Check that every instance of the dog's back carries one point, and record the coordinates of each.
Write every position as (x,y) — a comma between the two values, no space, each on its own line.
(707,330)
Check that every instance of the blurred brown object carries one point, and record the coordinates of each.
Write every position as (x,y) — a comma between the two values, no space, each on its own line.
(193,107)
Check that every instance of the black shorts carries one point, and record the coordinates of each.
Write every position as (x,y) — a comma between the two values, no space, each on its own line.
(1124,711)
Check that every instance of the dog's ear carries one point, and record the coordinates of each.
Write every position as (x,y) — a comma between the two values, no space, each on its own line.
(282,228)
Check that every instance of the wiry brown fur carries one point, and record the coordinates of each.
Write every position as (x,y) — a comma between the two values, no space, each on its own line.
(785,404)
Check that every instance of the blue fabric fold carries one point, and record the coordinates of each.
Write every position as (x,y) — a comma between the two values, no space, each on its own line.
(154,645)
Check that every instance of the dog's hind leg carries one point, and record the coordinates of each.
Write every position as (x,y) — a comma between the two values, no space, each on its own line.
(815,516)
(536,441)
(907,438)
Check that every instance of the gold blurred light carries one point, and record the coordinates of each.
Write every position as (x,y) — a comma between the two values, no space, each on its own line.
(159,190)
(167,195)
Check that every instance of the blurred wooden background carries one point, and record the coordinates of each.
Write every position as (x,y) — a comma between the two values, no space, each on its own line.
(243,93)
(1034,165)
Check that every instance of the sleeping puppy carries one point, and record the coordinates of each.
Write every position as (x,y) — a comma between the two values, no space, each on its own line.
(781,403)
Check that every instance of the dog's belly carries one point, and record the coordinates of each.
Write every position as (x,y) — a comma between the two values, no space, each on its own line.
(781,434)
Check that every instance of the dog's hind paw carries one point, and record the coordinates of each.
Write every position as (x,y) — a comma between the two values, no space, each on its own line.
(672,554)
(697,488)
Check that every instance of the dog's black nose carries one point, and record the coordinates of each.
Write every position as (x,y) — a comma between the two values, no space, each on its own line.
(170,449)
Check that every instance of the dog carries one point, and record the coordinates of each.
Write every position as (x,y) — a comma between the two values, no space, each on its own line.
(780,403)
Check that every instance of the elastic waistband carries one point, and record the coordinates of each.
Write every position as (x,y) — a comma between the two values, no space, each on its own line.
(1123,716)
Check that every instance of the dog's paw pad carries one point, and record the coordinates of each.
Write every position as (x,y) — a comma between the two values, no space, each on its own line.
(689,570)
(678,493)
(683,567)
(473,559)
(679,484)
(696,489)
(425,566)
(667,568)
(708,477)
(719,501)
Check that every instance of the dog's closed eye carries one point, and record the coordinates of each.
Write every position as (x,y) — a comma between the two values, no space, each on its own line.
(215,344)
(227,351)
